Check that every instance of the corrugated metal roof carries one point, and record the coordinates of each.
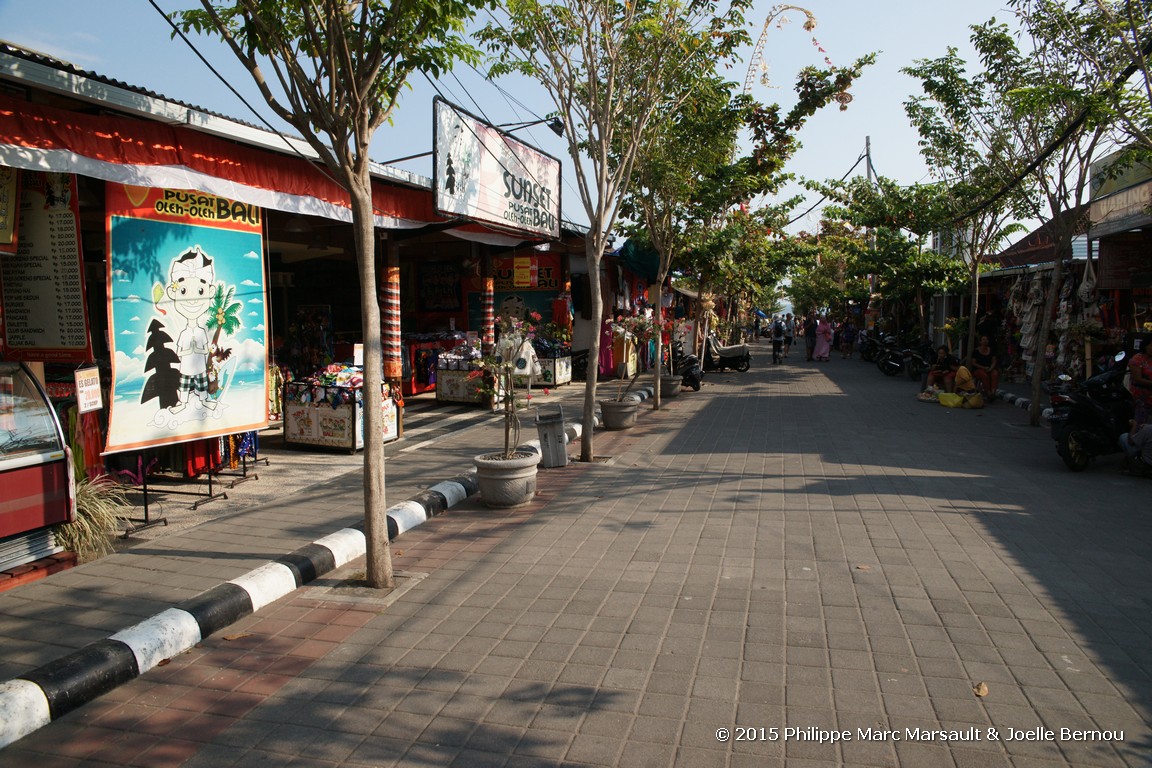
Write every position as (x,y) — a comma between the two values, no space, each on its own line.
(51,74)
(65,66)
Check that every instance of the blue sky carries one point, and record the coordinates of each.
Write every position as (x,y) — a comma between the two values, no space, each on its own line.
(129,41)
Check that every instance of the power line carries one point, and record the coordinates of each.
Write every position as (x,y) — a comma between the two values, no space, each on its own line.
(228,85)
(825,197)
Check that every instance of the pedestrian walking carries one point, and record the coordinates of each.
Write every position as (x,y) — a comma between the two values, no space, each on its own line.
(847,338)
(789,332)
(810,336)
(777,339)
(823,339)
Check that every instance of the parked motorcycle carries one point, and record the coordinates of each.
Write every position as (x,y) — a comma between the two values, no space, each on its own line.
(1087,420)
(718,357)
(918,359)
(686,366)
(890,356)
(870,345)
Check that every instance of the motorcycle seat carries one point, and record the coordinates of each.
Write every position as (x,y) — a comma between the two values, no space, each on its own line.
(735,350)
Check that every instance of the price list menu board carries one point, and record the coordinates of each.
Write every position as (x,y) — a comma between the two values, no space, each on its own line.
(43,285)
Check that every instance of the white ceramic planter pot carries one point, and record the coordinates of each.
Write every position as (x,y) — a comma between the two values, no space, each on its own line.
(619,414)
(506,482)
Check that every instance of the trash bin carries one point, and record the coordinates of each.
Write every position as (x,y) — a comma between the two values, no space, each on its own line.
(550,428)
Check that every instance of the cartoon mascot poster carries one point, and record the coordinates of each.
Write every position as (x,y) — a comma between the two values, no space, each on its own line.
(187,317)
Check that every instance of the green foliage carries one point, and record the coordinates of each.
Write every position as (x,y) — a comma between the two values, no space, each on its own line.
(340,67)
(223,312)
(828,269)
(100,503)
(1106,39)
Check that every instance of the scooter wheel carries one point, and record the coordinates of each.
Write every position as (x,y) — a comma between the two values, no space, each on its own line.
(743,365)
(696,385)
(1076,457)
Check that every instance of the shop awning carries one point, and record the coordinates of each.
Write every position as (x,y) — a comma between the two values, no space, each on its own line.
(142,153)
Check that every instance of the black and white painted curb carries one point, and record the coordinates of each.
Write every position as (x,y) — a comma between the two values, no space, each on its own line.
(36,698)
(1016,400)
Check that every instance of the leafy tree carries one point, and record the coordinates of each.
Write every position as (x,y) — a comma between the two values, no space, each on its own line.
(680,151)
(1033,112)
(832,274)
(611,67)
(900,266)
(1112,39)
(973,150)
(337,69)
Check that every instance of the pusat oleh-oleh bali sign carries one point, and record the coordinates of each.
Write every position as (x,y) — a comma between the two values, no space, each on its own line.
(187,317)
(484,174)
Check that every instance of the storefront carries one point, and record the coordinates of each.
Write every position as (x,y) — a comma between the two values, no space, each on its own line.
(194,268)
(1121,236)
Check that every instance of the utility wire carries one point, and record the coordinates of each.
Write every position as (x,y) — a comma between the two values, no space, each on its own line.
(319,168)
(825,197)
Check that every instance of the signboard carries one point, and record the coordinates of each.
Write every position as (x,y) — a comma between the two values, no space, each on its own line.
(45,317)
(1107,178)
(1121,212)
(88,396)
(186,317)
(9,207)
(538,272)
(482,173)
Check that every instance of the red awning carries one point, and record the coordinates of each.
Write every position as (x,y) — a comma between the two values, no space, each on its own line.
(132,151)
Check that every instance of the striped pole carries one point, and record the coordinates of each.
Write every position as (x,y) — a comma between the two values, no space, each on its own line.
(390,314)
(488,332)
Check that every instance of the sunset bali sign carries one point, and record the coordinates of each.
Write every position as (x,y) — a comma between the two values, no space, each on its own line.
(483,174)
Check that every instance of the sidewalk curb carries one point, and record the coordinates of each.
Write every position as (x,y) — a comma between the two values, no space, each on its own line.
(1016,400)
(36,698)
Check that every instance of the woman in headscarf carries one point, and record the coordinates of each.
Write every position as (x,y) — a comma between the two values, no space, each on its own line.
(823,339)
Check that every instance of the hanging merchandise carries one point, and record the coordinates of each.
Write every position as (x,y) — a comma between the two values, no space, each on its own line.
(275,392)
(1087,290)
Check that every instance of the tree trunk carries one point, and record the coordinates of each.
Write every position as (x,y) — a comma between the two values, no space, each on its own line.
(379,553)
(659,369)
(971,342)
(593,249)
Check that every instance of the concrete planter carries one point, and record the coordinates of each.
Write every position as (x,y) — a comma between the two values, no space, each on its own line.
(619,414)
(669,386)
(506,482)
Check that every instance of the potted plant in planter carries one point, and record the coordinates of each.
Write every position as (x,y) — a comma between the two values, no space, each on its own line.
(620,411)
(507,478)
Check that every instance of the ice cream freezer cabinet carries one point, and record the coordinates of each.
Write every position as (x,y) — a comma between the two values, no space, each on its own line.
(35,468)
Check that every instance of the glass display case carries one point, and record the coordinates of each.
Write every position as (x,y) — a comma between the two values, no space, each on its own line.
(35,470)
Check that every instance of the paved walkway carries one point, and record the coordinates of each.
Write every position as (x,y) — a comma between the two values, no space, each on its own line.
(797,558)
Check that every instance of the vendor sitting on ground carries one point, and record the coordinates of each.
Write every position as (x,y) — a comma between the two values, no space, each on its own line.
(985,367)
(943,370)
(1137,445)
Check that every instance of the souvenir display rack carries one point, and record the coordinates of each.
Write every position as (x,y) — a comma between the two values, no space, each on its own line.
(326,410)
(460,379)
(420,355)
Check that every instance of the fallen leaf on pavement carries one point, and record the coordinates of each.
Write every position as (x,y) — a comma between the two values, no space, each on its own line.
(981,689)
(240,636)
